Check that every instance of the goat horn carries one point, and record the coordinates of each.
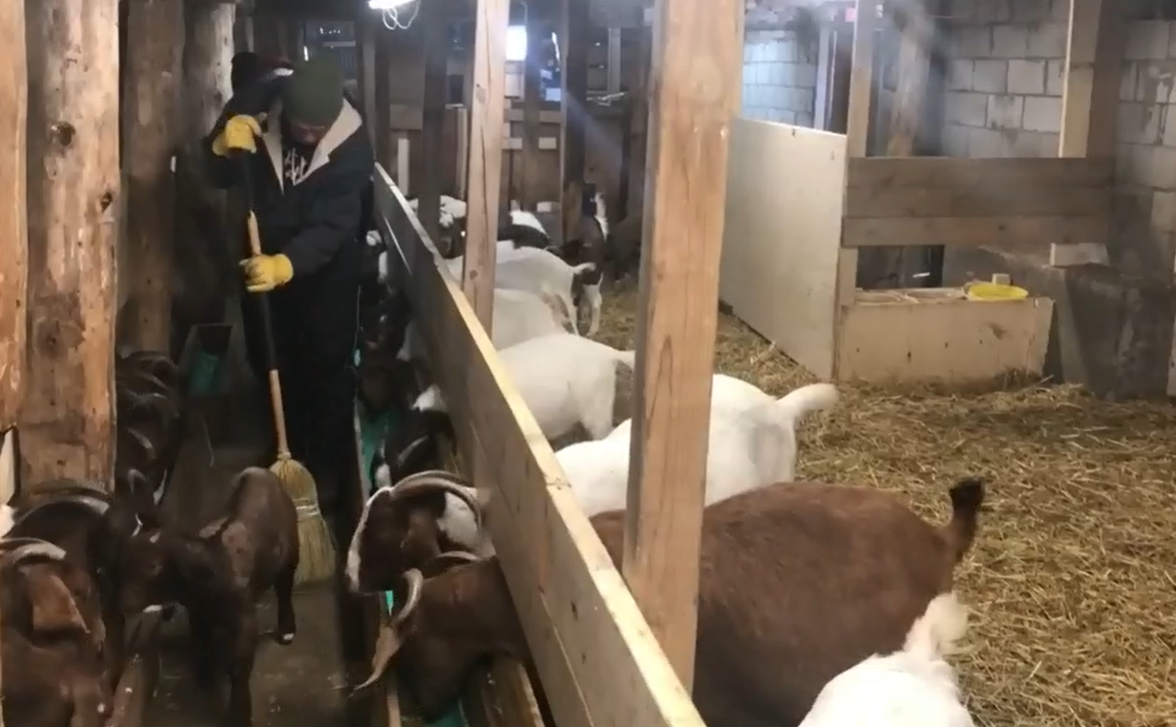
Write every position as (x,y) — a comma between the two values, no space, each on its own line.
(454,557)
(415,582)
(143,442)
(149,379)
(158,401)
(96,503)
(388,640)
(438,480)
(16,550)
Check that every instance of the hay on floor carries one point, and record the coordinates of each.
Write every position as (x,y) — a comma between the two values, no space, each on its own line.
(1072,580)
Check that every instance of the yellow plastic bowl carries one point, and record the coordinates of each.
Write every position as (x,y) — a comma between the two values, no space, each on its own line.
(995,291)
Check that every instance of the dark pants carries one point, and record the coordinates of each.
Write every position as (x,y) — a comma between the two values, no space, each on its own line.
(315,323)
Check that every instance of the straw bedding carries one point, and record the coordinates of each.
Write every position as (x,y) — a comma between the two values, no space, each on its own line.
(1073,577)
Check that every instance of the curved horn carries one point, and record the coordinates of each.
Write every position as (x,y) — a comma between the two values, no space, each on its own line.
(389,640)
(157,401)
(15,550)
(142,440)
(432,480)
(148,378)
(454,557)
(97,504)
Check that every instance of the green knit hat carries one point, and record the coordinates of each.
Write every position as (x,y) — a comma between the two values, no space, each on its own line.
(313,93)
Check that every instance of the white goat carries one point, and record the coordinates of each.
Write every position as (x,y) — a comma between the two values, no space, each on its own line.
(564,379)
(518,316)
(535,271)
(451,210)
(914,687)
(746,450)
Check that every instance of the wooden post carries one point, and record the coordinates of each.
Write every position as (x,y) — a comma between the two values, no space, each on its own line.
(638,113)
(14,233)
(697,62)
(898,265)
(67,422)
(1090,87)
(857,124)
(381,120)
(152,129)
(368,24)
(573,42)
(433,117)
(532,156)
(487,109)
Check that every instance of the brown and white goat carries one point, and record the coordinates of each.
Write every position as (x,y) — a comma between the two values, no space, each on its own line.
(408,524)
(798,582)
(219,575)
(53,635)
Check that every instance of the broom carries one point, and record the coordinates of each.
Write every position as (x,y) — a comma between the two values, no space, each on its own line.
(316,561)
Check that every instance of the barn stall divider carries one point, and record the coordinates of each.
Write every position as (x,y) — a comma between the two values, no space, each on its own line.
(593,651)
(790,251)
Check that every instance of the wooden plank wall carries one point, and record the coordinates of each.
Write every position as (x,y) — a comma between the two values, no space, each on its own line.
(780,249)
(597,659)
(947,201)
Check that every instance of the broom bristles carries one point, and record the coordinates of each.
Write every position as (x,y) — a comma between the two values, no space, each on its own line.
(316,545)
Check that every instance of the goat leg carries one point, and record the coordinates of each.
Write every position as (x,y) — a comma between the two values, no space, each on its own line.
(243,650)
(203,647)
(284,591)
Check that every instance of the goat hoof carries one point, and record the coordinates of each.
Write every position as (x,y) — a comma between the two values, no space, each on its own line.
(287,638)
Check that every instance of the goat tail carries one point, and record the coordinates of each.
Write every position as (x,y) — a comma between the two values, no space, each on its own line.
(967,496)
(936,633)
(798,402)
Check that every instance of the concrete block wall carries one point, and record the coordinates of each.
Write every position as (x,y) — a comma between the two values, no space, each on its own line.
(1004,78)
(1003,99)
(779,77)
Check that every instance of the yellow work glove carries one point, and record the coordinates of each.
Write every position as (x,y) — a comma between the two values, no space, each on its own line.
(263,273)
(240,132)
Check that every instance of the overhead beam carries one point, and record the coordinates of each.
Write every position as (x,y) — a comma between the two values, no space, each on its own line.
(487,106)
(67,420)
(695,82)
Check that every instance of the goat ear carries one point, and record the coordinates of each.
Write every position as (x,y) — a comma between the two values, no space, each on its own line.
(388,642)
(53,605)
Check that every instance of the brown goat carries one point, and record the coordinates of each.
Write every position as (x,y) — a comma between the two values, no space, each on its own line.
(219,575)
(798,581)
(92,527)
(52,632)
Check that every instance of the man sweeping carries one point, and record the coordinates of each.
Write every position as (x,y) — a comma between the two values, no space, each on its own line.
(310,164)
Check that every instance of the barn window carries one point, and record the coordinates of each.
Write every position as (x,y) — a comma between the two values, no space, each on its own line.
(516,43)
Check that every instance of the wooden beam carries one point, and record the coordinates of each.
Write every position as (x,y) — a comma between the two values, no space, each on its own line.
(697,62)
(532,156)
(485,161)
(573,43)
(861,79)
(67,421)
(383,95)
(434,89)
(152,131)
(1090,88)
(896,266)
(367,26)
(637,110)
(14,233)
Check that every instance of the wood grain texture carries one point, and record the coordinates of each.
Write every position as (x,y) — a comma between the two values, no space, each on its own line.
(152,131)
(1003,230)
(697,62)
(67,422)
(485,160)
(14,233)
